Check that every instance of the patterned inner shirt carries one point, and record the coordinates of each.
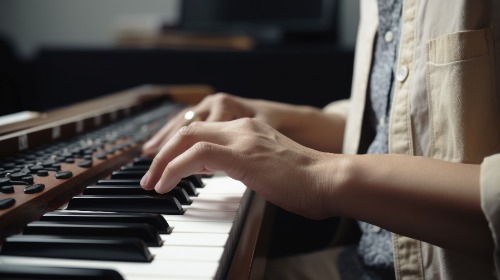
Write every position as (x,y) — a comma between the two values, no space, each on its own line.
(373,256)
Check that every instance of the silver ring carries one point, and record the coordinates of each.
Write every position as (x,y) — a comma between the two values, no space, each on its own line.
(191,116)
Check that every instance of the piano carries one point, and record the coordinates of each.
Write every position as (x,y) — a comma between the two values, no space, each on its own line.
(71,206)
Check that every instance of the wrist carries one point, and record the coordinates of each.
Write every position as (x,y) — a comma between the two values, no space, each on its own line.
(338,176)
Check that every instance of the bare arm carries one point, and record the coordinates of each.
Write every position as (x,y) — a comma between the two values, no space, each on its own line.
(310,126)
(427,199)
(307,125)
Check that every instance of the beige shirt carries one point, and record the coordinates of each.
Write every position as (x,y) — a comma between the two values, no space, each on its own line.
(446,105)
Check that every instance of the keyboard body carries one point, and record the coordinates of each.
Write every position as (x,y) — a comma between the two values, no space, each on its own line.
(218,235)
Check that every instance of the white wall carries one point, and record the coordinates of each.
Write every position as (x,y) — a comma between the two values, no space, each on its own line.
(31,24)
(348,19)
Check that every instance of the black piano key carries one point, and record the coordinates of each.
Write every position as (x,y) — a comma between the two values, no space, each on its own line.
(24,272)
(155,220)
(176,192)
(188,186)
(143,231)
(127,174)
(117,190)
(142,161)
(53,246)
(181,195)
(135,182)
(143,168)
(130,203)
(196,180)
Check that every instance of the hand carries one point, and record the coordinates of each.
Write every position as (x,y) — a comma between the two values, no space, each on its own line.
(282,171)
(217,107)
(404,194)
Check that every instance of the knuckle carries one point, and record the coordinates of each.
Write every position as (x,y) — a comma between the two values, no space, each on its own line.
(185,131)
(203,148)
(220,95)
(222,98)
(186,134)
(248,123)
(156,162)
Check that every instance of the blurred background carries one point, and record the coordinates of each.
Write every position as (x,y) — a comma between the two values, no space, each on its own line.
(57,52)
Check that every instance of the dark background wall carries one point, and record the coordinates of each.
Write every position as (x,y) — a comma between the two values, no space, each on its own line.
(57,56)
(54,55)
(304,75)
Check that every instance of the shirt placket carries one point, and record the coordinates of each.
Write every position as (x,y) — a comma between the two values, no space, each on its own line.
(407,251)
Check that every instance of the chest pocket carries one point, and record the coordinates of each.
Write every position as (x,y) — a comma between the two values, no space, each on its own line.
(463,105)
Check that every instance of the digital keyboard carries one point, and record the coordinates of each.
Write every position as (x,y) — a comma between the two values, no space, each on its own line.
(71,206)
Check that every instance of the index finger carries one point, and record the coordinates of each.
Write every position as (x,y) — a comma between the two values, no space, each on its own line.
(150,148)
(184,139)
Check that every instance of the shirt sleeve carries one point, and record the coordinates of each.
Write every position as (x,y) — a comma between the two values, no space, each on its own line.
(490,201)
(338,107)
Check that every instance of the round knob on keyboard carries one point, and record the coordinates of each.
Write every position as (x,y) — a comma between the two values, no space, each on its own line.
(5,182)
(7,189)
(7,203)
(18,176)
(36,188)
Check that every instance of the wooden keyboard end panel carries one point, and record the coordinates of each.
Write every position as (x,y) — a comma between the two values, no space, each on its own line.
(30,207)
(250,257)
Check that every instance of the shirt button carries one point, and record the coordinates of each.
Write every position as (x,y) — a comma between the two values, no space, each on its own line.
(375,229)
(388,36)
(381,121)
(402,73)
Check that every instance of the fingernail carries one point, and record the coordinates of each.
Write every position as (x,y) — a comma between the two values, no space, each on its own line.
(145,179)
(158,187)
(147,145)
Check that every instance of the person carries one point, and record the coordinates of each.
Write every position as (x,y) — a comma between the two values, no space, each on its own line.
(413,154)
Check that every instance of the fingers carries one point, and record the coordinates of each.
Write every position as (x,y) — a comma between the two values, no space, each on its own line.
(182,141)
(202,157)
(224,108)
(152,146)
(214,108)
(217,113)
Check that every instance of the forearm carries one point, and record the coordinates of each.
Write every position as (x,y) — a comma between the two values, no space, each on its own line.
(318,130)
(310,126)
(430,200)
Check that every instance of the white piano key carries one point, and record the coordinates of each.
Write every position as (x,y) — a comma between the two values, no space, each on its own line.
(200,227)
(209,197)
(222,185)
(187,253)
(192,215)
(166,268)
(221,190)
(213,206)
(193,249)
(195,239)
(154,277)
